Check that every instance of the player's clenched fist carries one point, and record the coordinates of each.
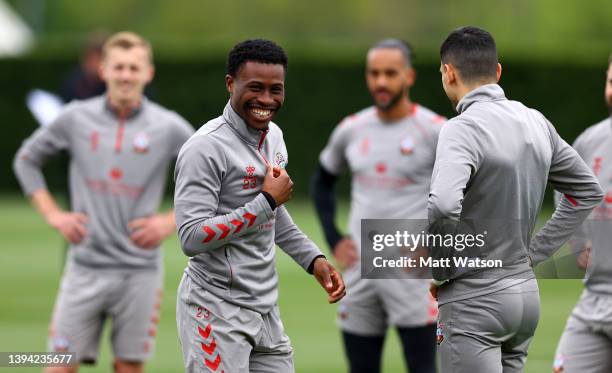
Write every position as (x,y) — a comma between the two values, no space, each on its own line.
(278,183)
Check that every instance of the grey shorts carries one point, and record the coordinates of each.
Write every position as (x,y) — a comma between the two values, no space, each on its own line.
(87,298)
(586,343)
(218,336)
(371,306)
(489,333)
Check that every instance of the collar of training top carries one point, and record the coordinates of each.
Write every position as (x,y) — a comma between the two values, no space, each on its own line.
(248,134)
(132,112)
(487,92)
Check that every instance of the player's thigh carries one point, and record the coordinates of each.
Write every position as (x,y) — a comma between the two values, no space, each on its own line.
(135,313)
(467,339)
(581,350)
(273,351)
(407,302)
(361,311)
(215,335)
(78,315)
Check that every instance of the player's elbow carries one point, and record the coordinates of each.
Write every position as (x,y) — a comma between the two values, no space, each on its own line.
(442,209)
(190,245)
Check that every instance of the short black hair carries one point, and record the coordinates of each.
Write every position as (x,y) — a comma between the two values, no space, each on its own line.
(403,46)
(472,51)
(255,50)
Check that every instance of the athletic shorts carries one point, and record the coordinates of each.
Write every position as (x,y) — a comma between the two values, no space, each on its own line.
(489,333)
(371,306)
(218,336)
(586,343)
(87,298)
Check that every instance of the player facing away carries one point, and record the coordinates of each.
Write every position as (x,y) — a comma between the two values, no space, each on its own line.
(231,185)
(389,149)
(120,146)
(493,162)
(586,343)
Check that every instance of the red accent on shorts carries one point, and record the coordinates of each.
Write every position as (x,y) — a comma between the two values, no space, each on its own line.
(209,349)
(211,234)
(571,200)
(213,365)
(250,217)
(205,332)
(224,229)
(238,224)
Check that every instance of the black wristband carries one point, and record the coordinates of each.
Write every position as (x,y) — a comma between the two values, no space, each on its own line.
(270,200)
(311,266)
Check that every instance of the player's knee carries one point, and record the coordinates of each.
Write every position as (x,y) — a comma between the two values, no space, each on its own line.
(128,367)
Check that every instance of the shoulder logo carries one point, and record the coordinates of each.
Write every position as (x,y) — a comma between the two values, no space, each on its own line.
(141,143)
(279,160)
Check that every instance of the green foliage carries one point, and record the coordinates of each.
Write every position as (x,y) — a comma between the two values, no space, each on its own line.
(319,95)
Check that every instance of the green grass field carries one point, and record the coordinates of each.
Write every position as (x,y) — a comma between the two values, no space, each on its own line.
(30,269)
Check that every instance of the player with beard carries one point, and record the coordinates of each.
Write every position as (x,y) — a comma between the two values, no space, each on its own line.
(389,149)
(585,345)
(231,185)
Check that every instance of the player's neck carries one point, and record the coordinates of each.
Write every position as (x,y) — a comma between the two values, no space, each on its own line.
(123,107)
(401,110)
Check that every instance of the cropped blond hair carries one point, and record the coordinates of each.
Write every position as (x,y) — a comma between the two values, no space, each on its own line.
(127,40)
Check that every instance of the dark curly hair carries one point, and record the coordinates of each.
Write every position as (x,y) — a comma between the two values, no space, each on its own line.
(255,50)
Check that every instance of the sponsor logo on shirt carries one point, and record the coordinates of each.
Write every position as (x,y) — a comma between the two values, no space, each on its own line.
(141,143)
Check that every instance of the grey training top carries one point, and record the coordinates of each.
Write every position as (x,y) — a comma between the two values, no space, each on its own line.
(595,146)
(225,224)
(492,165)
(118,168)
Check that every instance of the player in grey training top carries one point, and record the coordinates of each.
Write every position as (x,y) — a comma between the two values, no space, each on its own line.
(120,147)
(231,185)
(585,345)
(390,151)
(492,165)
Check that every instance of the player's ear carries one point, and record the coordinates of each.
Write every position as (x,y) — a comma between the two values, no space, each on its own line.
(410,76)
(498,72)
(229,83)
(451,73)
(151,74)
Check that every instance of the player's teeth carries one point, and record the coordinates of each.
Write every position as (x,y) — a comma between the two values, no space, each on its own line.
(261,113)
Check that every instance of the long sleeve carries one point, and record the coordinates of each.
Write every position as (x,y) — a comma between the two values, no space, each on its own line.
(571,177)
(36,149)
(293,241)
(199,173)
(456,161)
(322,193)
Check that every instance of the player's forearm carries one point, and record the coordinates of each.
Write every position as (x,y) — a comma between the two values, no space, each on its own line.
(169,223)
(45,203)
(322,192)
(293,241)
(198,235)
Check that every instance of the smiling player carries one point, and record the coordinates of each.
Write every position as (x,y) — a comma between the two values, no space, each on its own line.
(231,185)
(120,145)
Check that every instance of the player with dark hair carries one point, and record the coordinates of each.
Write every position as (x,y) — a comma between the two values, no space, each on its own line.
(120,146)
(585,345)
(231,185)
(389,149)
(493,162)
